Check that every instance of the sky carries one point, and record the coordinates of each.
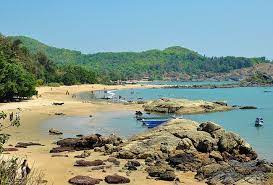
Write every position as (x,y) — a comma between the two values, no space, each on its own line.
(210,27)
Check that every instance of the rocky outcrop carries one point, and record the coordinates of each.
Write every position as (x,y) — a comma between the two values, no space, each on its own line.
(86,143)
(204,148)
(84,180)
(183,106)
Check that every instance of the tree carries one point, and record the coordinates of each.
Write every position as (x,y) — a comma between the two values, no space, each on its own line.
(15,82)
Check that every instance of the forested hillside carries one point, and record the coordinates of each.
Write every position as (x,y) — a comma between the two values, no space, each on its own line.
(21,70)
(173,62)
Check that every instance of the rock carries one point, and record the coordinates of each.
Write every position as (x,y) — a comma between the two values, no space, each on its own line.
(113,160)
(59,114)
(221,103)
(185,162)
(62,149)
(183,106)
(89,163)
(25,145)
(158,169)
(216,155)
(57,103)
(167,176)
(79,135)
(98,168)
(84,180)
(10,149)
(87,142)
(229,141)
(132,165)
(209,127)
(248,107)
(209,170)
(85,154)
(116,179)
(110,148)
(59,155)
(54,132)
(99,149)
(184,144)
(125,155)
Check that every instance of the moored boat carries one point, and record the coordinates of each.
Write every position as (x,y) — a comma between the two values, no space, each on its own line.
(151,123)
(259,122)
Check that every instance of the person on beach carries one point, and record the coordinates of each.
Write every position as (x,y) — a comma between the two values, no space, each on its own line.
(25,170)
(11,116)
(67,92)
(17,116)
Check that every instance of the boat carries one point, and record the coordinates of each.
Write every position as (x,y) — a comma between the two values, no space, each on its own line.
(151,117)
(151,123)
(259,122)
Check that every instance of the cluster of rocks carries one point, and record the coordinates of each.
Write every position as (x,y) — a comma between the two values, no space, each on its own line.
(183,106)
(217,155)
(86,143)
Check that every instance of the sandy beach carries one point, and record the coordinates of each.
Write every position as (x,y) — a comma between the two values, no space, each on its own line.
(58,170)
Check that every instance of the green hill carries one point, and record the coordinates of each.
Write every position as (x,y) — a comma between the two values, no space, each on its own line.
(173,62)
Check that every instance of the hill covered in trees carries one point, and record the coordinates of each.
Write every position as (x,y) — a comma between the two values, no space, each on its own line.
(21,70)
(173,62)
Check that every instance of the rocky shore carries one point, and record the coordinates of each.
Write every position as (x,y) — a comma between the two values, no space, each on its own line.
(184,106)
(216,156)
(221,86)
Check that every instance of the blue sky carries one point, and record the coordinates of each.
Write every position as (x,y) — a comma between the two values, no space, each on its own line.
(211,27)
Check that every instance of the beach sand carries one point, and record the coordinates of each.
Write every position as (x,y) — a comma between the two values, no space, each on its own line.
(57,170)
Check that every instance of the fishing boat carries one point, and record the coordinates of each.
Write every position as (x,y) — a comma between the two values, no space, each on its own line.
(259,122)
(151,123)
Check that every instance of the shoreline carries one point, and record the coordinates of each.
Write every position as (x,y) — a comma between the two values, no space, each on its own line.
(58,170)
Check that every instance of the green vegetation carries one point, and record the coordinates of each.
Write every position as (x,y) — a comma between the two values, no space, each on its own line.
(172,62)
(25,63)
(260,78)
(21,70)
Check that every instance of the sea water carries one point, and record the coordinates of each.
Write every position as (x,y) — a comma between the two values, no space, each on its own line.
(239,121)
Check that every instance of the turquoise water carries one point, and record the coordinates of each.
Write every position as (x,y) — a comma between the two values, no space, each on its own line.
(239,121)
(121,123)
